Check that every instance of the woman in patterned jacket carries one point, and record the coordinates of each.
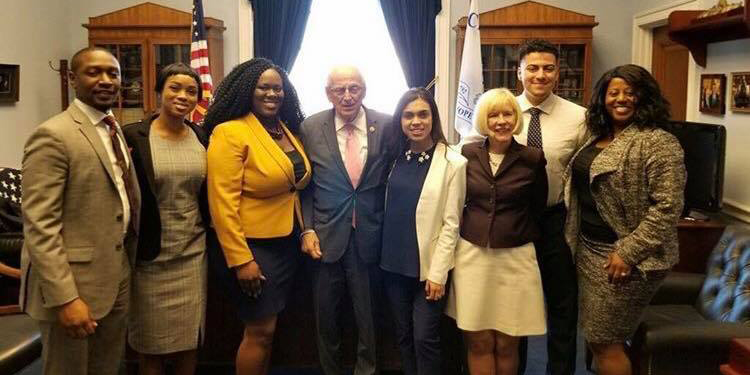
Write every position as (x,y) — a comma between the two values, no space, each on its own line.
(624,191)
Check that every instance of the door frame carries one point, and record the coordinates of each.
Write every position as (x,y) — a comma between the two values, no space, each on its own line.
(643,43)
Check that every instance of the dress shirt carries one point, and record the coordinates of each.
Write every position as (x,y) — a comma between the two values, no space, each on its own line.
(96,117)
(360,126)
(563,133)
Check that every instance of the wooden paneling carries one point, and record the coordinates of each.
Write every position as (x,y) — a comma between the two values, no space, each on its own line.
(669,65)
(150,25)
(513,24)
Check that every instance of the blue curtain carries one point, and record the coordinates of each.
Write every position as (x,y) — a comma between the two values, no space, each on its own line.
(279,27)
(411,24)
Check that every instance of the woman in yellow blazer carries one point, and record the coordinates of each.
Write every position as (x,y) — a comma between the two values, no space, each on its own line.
(256,166)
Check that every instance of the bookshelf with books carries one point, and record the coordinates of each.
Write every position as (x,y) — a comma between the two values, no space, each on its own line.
(503,29)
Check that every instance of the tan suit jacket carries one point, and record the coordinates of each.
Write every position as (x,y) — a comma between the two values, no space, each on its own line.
(73,229)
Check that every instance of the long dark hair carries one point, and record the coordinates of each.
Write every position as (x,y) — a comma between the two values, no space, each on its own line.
(234,96)
(398,140)
(651,108)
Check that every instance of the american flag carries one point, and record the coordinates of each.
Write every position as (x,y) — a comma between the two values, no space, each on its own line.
(199,61)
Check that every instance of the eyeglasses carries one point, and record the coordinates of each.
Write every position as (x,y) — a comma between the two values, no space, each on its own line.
(341,90)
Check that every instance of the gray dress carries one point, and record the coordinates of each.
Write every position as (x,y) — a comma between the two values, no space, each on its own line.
(169,292)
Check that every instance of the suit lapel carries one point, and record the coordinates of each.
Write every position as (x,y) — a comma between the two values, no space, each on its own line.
(373,131)
(609,158)
(144,145)
(510,157)
(89,131)
(329,133)
(273,150)
(484,158)
(298,147)
(436,173)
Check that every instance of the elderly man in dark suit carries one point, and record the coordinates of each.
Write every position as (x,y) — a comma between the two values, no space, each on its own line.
(80,205)
(343,214)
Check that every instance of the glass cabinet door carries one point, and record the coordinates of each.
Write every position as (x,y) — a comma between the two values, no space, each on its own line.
(130,104)
(571,81)
(165,54)
(500,65)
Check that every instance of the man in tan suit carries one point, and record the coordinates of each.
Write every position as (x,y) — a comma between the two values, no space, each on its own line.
(80,205)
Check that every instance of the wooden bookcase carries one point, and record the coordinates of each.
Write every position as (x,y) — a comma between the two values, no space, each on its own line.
(503,29)
(145,38)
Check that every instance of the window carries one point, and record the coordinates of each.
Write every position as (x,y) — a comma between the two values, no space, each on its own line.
(347,32)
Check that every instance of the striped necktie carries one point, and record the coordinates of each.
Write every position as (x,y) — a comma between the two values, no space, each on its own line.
(120,160)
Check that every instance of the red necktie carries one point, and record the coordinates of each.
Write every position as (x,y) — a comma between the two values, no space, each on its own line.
(116,146)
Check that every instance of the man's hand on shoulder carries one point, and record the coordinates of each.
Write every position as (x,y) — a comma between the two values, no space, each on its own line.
(76,318)
(311,245)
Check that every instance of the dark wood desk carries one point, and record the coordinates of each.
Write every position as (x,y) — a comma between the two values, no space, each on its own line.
(739,358)
(697,239)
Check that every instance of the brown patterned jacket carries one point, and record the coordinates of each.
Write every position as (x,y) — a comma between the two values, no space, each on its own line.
(638,184)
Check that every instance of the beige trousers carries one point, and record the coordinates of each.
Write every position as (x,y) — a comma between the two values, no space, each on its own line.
(98,354)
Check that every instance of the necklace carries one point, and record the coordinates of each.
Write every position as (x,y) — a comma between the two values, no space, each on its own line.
(275,133)
(495,160)
(421,157)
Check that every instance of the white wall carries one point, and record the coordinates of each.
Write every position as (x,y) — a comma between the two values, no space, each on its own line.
(42,30)
(724,58)
(32,33)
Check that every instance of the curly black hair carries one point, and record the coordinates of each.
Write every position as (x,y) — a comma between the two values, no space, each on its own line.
(537,45)
(234,96)
(397,136)
(651,107)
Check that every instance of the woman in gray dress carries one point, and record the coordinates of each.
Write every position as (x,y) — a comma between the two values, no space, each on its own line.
(624,192)
(168,289)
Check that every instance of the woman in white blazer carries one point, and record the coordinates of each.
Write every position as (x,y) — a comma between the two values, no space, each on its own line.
(423,204)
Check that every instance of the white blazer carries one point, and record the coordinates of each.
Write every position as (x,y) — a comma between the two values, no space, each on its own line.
(439,211)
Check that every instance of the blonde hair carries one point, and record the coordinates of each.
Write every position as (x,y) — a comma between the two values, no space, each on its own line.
(493,100)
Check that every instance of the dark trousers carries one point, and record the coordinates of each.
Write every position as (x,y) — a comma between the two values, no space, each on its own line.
(560,292)
(332,280)
(417,324)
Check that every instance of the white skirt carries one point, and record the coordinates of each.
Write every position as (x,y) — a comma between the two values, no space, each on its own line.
(497,289)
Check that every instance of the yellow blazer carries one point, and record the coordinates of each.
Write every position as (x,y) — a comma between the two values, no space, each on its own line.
(251,187)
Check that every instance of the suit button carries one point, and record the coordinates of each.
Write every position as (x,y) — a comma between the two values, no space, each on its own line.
(118,247)
(119,217)
(293,189)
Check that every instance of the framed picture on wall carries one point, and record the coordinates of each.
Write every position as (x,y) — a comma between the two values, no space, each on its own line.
(712,96)
(9,75)
(740,92)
